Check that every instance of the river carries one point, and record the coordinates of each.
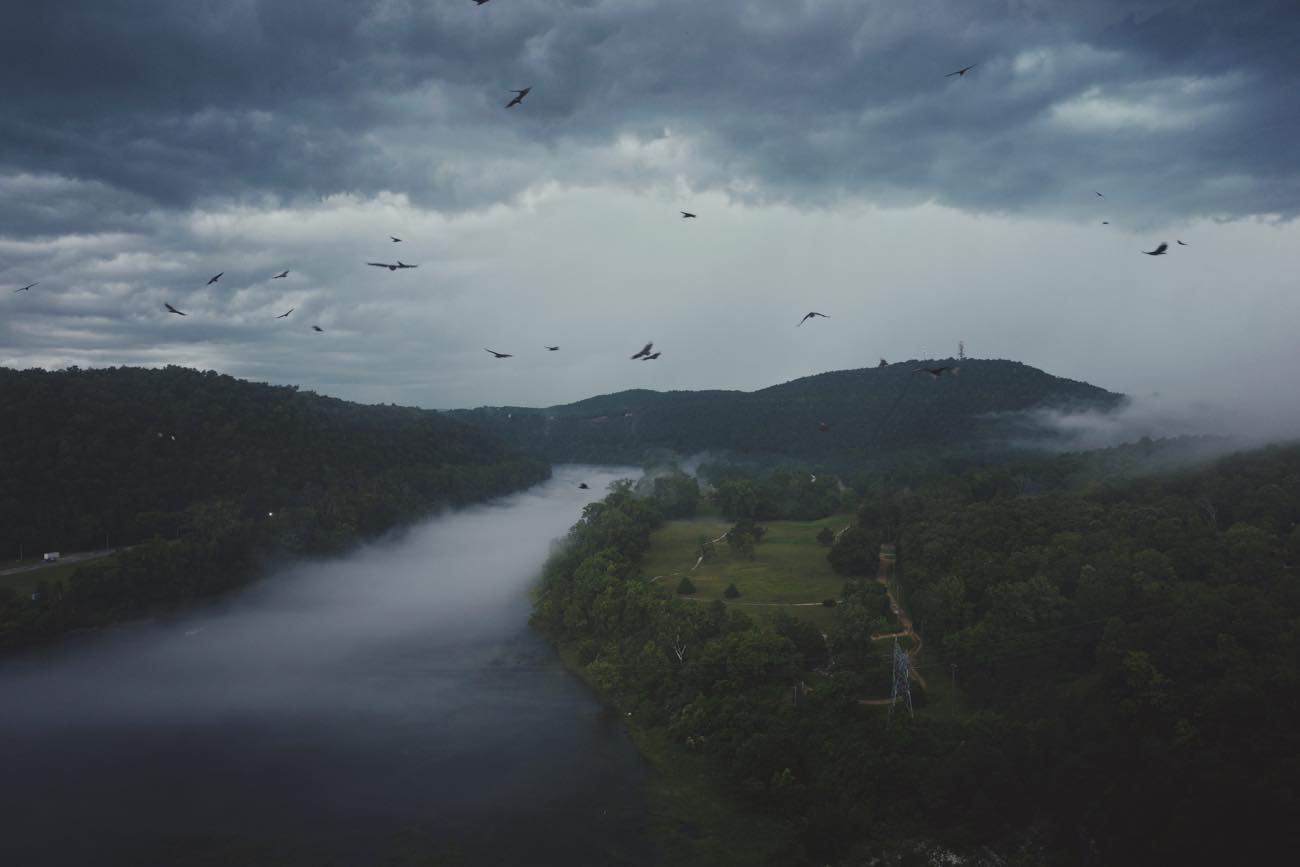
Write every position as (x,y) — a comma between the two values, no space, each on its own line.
(391,707)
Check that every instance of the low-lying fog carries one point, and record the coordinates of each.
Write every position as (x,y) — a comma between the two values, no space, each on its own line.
(381,708)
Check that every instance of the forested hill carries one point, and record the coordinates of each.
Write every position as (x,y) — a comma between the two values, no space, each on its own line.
(125,451)
(208,475)
(869,412)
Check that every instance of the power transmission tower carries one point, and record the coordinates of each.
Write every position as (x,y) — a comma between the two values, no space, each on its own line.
(902,681)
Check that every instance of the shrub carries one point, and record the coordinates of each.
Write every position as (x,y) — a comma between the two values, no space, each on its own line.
(685,587)
(826,537)
(829,603)
(731,592)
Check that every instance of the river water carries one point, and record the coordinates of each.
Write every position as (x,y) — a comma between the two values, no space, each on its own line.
(388,708)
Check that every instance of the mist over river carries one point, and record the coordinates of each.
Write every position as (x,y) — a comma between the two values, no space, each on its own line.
(390,707)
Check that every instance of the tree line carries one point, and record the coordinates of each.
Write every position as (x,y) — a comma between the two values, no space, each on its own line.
(1117,661)
(204,476)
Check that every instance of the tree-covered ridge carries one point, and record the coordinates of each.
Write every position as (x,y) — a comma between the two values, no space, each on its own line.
(198,459)
(868,411)
(1112,670)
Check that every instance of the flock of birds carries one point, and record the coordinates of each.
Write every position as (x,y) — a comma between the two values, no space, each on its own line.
(646,353)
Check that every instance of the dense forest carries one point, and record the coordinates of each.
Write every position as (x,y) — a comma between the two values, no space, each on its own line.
(1114,670)
(843,419)
(205,475)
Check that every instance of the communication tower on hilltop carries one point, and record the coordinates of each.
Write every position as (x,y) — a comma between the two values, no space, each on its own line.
(961,349)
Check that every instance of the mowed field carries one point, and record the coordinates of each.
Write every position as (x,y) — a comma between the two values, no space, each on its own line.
(789,566)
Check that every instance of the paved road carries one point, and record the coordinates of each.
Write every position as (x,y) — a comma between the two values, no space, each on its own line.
(78,557)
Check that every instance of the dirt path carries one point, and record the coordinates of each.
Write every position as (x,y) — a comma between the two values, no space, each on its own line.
(908,631)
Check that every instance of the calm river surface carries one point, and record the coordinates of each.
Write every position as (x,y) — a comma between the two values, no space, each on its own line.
(388,708)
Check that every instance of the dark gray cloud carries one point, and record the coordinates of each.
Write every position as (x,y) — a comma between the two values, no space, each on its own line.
(146,145)
(1175,108)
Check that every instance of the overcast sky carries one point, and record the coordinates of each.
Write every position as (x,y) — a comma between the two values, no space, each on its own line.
(146,145)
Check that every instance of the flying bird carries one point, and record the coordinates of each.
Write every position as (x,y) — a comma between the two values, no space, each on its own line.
(652,356)
(937,372)
(1099,195)
(1105,222)
(687,215)
(1181,243)
(28,287)
(962,72)
(645,350)
(395,240)
(480,2)
(286,313)
(581,485)
(519,97)
(810,315)
(400,264)
(281,275)
(318,328)
(215,279)
(823,427)
(496,354)
(174,310)
(1158,251)
(549,348)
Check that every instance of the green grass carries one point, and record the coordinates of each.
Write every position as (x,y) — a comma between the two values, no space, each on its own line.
(789,565)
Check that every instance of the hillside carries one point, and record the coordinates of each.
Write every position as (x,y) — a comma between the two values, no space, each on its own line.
(224,471)
(974,410)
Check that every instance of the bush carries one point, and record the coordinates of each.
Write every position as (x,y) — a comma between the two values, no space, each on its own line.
(731,592)
(826,537)
(829,603)
(685,587)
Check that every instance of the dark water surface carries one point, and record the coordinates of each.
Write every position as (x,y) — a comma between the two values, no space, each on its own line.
(391,708)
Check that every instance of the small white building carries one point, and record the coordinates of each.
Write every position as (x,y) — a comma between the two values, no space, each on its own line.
(51,557)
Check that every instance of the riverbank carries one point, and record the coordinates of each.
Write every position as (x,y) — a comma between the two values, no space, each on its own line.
(692,820)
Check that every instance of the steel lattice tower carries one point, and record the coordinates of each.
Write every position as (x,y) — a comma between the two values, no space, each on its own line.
(902,679)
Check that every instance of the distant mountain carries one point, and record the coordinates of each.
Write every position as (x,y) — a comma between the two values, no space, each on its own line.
(870,412)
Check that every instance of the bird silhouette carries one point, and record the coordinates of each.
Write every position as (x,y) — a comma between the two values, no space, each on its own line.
(479,2)
(286,313)
(687,215)
(496,354)
(645,350)
(823,427)
(395,240)
(810,315)
(519,97)
(318,329)
(936,372)
(281,275)
(215,279)
(1181,243)
(552,348)
(1105,222)
(581,485)
(28,287)
(652,356)
(400,264)
(1158,251)
(961,73)
(174,310)
(1099,195)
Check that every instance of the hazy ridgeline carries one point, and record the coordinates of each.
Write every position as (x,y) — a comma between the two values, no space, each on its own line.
(377,708)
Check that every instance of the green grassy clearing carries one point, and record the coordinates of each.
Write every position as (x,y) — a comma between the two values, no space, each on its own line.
(789,566)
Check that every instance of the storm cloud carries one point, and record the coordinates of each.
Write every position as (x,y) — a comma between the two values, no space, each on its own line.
(146,146)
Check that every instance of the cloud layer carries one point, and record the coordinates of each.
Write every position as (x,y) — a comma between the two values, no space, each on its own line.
(145,147)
